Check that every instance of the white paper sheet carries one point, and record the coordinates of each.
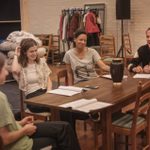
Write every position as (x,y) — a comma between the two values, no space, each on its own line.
(85,105)
(78,103)
(66,90)
(142,75)
(93,106)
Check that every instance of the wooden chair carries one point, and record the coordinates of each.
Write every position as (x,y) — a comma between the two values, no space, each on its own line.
(54,53)
(128,53)
(94,123)
(45,116)
(130,124)
(62,74)
(44,38)
(107,48)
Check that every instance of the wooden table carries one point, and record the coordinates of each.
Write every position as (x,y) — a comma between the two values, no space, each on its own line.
(118,96)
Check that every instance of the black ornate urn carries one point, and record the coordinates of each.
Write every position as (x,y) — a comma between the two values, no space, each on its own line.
(117,70)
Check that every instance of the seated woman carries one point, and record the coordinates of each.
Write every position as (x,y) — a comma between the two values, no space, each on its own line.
(31,72)
(81,60)
(25,135)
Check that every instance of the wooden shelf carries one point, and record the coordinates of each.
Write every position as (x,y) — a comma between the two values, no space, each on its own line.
(11,21)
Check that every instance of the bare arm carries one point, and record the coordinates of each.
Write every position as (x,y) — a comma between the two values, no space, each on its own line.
(103,66)
(49,84)
(10,137)
(70,74)
(15,64)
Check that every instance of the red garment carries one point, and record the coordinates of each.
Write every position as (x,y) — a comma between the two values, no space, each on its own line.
(90,23)
(73,26)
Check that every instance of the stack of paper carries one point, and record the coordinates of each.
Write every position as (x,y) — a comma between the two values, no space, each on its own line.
(85,105)
(142,75)
(66,90)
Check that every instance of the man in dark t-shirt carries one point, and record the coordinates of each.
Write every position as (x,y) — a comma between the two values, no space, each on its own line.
(141,62)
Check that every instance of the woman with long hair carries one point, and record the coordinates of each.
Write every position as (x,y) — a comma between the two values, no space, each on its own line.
(31,72)
(24,134)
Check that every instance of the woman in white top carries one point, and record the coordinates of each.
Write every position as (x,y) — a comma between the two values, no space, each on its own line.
(81,60)
(31,72)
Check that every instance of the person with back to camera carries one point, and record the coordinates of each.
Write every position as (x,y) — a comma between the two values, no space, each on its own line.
(31,72)
(141,61)
(24,134)
(81,60)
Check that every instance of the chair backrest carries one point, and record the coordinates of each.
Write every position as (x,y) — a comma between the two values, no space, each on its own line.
(60,75)
(22,97)
(54,52)
(107,46)
(127,49)
(127,45)
(44,38)
(37,116)
(142,105)
(54,42)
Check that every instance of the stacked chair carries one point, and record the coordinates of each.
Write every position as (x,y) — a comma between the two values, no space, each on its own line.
(107,48)
(54,53)
(127,49)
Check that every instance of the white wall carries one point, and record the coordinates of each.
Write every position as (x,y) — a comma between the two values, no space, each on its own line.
(44,17)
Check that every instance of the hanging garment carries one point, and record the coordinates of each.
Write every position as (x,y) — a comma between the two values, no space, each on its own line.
(90,23)
(74,25)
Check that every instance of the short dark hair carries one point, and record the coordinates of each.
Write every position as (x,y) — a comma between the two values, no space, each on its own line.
(79,32)
(2,60)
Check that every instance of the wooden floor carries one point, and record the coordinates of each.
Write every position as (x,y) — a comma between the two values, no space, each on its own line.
(85,138)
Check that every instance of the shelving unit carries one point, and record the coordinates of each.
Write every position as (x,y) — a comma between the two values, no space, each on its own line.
(10,19)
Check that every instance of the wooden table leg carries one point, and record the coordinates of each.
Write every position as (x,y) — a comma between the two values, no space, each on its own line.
(55,115)
(106,130)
